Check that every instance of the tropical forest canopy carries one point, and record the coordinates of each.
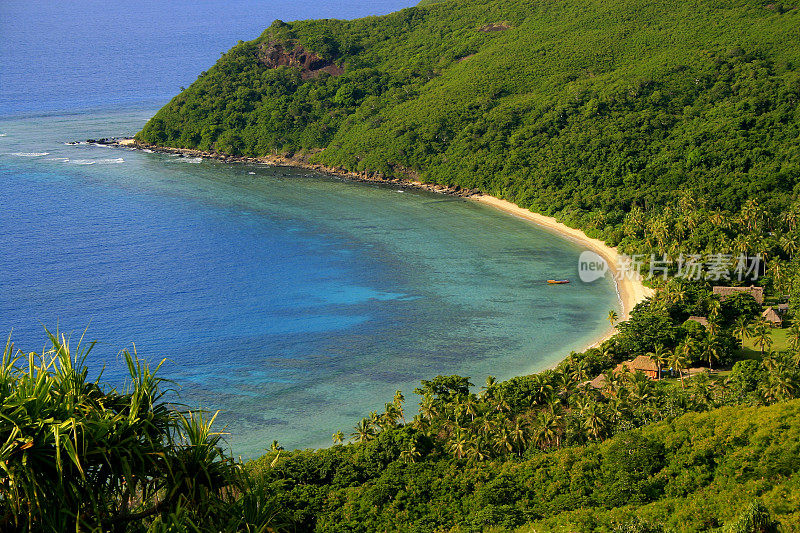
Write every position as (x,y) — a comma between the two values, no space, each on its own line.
(663,127)
(643,123)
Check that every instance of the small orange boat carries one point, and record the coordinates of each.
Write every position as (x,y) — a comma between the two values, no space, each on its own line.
(557,281)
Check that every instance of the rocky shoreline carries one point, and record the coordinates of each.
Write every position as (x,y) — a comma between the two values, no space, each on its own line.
(411,182)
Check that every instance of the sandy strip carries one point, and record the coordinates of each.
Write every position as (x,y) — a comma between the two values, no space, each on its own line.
(630,291)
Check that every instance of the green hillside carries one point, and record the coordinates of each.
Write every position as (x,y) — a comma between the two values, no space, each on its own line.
(600,113)
(698,472)
(534,453)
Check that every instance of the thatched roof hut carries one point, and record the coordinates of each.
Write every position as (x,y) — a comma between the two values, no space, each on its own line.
(642,364)
(771,316)
(752,290)
(703,321)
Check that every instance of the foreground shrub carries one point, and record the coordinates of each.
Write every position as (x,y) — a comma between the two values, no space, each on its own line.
(76,455)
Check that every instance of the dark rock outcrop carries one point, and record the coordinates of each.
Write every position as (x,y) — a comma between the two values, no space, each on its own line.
(276,54)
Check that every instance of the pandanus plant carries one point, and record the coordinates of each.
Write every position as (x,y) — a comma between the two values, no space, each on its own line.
(78,455)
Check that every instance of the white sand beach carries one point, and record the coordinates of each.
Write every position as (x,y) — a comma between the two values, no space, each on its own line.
(630,291)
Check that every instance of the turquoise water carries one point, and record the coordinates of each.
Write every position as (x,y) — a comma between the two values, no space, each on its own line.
(294,302)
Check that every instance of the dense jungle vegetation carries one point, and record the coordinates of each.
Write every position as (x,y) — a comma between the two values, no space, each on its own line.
(661,127)
(654,125)
(551,451)
(543,452)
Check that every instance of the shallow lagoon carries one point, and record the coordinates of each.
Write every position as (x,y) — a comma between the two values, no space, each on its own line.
(294,302)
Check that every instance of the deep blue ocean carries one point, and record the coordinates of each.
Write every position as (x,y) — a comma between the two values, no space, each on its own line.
(293,302)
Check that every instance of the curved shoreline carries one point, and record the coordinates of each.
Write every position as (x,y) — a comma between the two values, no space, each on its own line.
(629,292)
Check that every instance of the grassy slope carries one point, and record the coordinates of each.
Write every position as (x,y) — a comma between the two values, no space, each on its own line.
(749,350)
(581,109)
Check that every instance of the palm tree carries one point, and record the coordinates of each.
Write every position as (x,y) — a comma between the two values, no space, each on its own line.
(789,244)
(546,429)
(618,408)
(770,362)
(491,381)
(613,380)
(390,416)
(581,403)
(659,356)
(519,437)
(613,317)
(639,390)
(750,214)
(714,307)
(427,407)
(458,443)
(776,273)
(565,381)
(713,326)
(741,328)
(701,391)
(398,397)
(675,292)
(470,407)
(791,216)
(711,349)
(487,426)
(375,419)
(364,432)
(608,350)
(680,359)
(503,440)
(501,404)
(794,338)
(457,409)
(579,370)
(781,382)
(398,403)
(541,388)
(411,452)
(421,424)
(762,335)
(478,449)
(338,437)
(594,422)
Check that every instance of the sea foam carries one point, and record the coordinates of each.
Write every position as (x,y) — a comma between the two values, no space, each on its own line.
(186,160)
(30,154)
(115,161)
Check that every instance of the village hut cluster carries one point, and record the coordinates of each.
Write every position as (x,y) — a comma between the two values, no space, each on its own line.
(772,314)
